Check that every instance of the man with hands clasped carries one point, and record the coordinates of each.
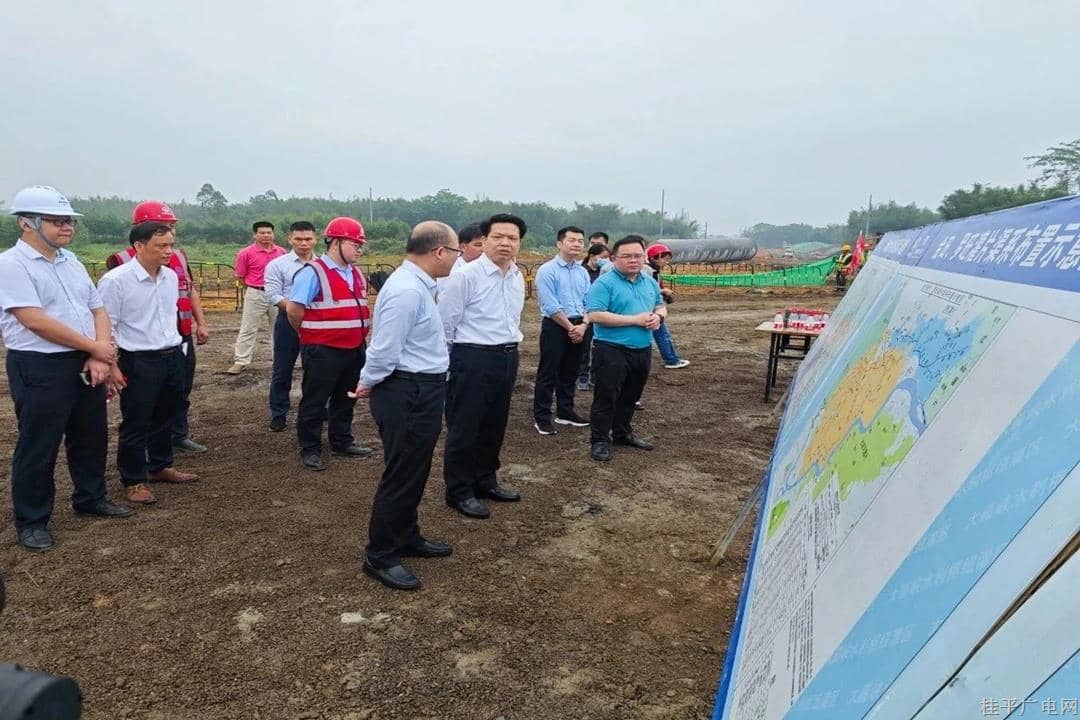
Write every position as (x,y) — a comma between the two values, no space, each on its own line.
(625,307)
(60,366)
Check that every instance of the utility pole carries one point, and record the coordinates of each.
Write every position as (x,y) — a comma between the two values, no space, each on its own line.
(370,206)
(706,236)
(662,192)
(869,207)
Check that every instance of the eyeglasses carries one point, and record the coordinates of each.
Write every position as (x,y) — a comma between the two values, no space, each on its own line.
(639,256)
(61,221)
(459,251)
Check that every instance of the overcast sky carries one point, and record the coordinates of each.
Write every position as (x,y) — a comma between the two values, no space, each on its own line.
(753,111)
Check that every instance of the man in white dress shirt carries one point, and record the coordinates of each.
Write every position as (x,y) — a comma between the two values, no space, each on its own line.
(481,307)
(280,273)
(59,366)
(140,298)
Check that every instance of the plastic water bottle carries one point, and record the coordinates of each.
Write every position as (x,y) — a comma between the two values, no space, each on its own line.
(778,320)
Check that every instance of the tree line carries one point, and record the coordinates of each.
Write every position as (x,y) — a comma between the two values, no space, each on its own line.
(1059,169)
(211,218)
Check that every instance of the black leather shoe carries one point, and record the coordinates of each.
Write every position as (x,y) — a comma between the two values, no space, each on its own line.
(36,539)
(188,445)
(104,508)
(635,442)
(429,549)
(313,461)
(600,451)
(352,450)
(397,577)
(500,494)
(471,507)
(277,424)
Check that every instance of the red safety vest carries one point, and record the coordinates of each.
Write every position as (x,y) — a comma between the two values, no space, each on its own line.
(178,263)
(338,316)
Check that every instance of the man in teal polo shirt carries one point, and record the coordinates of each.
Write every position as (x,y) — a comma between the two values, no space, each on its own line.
(624,307)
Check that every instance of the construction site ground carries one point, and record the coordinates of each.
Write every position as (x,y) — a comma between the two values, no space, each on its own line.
(242,596)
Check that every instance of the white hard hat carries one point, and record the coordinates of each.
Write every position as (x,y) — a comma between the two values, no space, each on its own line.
(41,200)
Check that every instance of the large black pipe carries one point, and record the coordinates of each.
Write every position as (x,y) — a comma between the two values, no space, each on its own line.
(714,249)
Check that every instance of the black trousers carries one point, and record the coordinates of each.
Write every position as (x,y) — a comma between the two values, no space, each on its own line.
(584,372)
(329,375)
(621,374)
(180,424)
(408,411)
(557,371)
(477,408)
(286,350)
(155,383)
(52,403)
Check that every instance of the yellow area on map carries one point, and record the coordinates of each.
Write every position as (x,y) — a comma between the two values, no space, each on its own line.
(859,396)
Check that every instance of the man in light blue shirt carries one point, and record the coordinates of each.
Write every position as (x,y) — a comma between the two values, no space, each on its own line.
(60,365)
(625,307)
(405,378)
(279,282)
(561,284)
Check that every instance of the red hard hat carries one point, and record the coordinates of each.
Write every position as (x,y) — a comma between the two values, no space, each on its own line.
(344,228)
(153,211)
(657,249)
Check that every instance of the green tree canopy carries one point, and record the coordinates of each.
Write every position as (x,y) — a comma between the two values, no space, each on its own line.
(1060,166)
(987,198)
(890,216)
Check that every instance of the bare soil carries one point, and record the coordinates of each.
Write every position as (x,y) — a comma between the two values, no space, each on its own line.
(592,598)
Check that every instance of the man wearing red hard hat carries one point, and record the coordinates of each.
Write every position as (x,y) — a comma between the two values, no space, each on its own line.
(329,310)
(190,320)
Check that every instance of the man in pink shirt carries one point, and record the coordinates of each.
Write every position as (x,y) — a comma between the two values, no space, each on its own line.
(250,269)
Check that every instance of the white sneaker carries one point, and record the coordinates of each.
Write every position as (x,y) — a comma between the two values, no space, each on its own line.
(236,369)
(678,366)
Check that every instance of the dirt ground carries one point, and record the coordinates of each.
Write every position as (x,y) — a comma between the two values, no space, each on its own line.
(592,598)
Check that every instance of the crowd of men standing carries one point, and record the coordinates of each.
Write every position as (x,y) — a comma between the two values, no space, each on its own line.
(444,346)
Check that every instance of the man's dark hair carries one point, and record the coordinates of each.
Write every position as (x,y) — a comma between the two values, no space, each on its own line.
(261,224)
(568,229)
(595,250)
(603,235)
(301,226)
(146,230)
(504,218)
(423,241)
(470,232)
(628,240)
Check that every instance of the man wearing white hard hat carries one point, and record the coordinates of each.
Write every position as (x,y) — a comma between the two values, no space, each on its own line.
(61,366)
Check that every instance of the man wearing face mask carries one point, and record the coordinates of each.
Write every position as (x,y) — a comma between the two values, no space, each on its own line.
(328,308)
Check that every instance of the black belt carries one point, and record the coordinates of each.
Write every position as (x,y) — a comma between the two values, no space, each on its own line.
(506,347)
(153,353)
(419,377)
(576,320)
(624,348)
(38,355)
(257,287)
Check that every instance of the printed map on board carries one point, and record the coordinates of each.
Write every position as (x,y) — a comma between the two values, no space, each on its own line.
(896,371)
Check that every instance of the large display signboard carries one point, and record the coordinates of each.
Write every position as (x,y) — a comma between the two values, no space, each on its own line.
(915,556)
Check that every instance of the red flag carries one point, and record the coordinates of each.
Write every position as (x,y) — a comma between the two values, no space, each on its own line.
(859,255)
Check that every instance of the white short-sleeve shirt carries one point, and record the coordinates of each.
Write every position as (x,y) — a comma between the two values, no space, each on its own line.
(61,287)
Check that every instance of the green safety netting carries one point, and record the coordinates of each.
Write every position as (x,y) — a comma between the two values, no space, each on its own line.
(815,273)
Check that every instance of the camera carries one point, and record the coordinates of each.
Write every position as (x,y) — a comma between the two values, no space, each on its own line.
(28,694)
